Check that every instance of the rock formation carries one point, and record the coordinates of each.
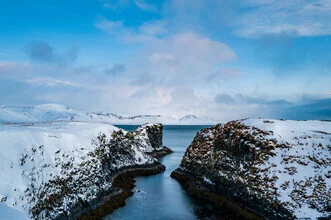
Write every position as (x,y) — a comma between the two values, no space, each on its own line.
(70,175)
(260,168)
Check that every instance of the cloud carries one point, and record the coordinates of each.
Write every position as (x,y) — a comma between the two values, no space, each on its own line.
(225,73)
(224,99)
(38,75)
(186,56)
(144,79)
(109,26)
(240,99)
(147,31)
(154,28)
(51,82)
(166,60)
(320,109)
(289,18)
(41,51)
(308,107)
(184,59)
(154,96)
(117,69)
(181,59)
(146,6)
(69,56)
(254,18)
(116,4)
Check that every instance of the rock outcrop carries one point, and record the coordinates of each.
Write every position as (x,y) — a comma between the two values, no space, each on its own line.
(267,169)
(59,181)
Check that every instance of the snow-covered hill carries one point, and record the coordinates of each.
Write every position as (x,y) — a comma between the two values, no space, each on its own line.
(53,112)
(47,168)
(274,168)
(194,120)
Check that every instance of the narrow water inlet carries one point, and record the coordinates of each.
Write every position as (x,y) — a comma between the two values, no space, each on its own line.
(160,196)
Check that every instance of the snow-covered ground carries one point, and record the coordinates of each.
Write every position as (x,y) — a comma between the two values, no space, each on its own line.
(53,112)
(302,168)
(32,154)
(284,164)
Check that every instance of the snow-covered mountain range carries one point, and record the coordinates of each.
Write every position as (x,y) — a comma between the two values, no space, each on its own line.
(54,112)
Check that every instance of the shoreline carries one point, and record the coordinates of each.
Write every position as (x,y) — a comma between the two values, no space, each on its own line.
(161,153)
(197,188)
(123,183)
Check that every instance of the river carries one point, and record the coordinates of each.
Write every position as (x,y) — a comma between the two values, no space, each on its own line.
(160,196)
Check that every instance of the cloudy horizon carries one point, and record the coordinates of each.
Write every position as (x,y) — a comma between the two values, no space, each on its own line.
(222,59)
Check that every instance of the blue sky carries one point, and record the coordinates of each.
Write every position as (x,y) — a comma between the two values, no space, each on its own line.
(223,59)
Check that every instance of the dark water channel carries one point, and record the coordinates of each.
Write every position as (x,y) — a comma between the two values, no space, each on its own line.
(160,196)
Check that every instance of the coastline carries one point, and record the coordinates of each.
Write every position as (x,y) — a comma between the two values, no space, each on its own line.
(199,189)
(123,182)
(161,153)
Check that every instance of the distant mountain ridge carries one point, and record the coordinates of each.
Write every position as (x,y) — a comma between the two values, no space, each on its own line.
(55,112)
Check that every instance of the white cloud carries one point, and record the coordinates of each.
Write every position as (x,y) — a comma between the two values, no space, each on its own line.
(115,4)
(109,26)
(51,82)
(7,65)
(224,74)
(154,28)
(186,55)
(254,18)
(159,58)
(147,31)
(292,18)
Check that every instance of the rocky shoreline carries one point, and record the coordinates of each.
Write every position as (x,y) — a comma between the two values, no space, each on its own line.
(161,153)
(200,189)
(123,183)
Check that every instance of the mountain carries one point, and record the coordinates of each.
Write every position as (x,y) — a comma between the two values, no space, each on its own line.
(194,120)
(54,112)
(262,168)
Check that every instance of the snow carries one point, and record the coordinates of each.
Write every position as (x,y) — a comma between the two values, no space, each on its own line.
(54,112)
(47,140)
(194,120)
(304,165)
(206,180)
(34,153)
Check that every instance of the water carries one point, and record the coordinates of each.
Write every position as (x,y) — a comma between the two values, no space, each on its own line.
(160,196)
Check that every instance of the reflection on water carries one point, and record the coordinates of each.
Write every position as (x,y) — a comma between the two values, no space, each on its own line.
(160,196)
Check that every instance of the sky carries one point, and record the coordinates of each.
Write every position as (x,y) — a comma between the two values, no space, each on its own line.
(222,59)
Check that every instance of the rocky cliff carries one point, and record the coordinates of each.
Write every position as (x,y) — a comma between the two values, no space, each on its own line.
(72,170)
(260,168)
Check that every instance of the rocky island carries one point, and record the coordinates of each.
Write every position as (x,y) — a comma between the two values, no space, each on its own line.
(262,169)
(74,170)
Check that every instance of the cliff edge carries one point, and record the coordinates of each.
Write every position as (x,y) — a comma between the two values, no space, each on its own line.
(260,168)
